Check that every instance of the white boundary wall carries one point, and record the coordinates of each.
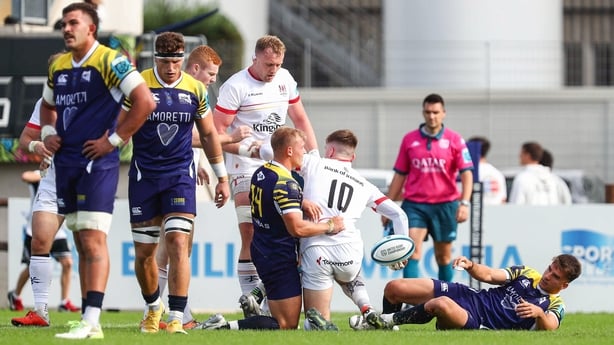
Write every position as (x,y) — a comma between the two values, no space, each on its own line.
(512,235)
(576,125)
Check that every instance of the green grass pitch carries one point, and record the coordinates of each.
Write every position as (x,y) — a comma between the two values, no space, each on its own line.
(122,328)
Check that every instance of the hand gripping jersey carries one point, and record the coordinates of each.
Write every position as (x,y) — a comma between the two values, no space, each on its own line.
(261,106)
(274,192)
(87,99)
(163,145)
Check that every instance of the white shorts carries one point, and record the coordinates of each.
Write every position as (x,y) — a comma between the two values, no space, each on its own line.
(240,183)
(322,265)
(46,197)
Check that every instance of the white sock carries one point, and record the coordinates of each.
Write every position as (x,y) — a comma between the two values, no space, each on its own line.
(92,315)
(233,324)
(187,314)
(162,279)
(264,305)
(356,290)
(248,277)
(41,268)
(175,315)
(155,305)
(387,318)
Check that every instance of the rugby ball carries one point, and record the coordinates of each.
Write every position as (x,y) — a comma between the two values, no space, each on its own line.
(392,249)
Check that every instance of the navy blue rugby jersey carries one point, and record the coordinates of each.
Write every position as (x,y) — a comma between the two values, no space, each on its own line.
(274,192)
(87,100)
(163,145)
(498,305)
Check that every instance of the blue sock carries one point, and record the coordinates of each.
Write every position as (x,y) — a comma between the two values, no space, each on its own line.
(411,270)
(446,272)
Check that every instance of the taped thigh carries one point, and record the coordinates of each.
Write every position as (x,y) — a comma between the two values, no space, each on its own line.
(178,224)
(146,234)
(88,220)
(244,214)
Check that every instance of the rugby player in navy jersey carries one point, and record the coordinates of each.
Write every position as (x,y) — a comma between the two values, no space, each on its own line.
(524,299)
(277,216)
(162,179)
(81,102)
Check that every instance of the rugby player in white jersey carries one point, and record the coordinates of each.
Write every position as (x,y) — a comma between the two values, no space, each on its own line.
(259,97)
(334,188)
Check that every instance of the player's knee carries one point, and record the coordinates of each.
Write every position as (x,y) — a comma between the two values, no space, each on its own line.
(41,245)
(442,305)
(244,214)
(66,263)
(393,291)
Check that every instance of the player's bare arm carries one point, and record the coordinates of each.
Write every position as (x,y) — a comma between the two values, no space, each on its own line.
(311,210)
(229,140)
(483,273)
(129,122)
(299,117)
(29,141)
(466,177)
(211,145)
(298,227)
(49,136)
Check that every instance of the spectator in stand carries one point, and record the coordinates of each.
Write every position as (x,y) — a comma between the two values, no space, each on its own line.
(494,188)
(534,185)
(562,189)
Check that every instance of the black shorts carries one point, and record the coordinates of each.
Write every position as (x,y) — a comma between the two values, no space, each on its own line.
(59,249)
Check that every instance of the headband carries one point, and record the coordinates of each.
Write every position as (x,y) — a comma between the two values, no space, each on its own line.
(169,55)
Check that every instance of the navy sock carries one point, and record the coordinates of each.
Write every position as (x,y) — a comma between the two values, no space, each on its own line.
(177,303)
(258,322)
(153,297)
(94,299)
(388,307)
(416,315)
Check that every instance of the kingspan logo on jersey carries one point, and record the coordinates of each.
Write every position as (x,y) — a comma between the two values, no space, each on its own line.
(595,251)
(272,122)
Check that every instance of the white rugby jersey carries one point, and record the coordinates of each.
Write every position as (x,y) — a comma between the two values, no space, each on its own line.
(261,106)
(341,191)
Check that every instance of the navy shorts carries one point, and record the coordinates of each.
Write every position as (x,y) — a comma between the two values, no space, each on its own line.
(152,197)
(438,219)
(79,190)
(464,296)
(280,277)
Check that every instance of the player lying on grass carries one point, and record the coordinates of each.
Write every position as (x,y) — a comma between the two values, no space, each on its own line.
(524,299)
